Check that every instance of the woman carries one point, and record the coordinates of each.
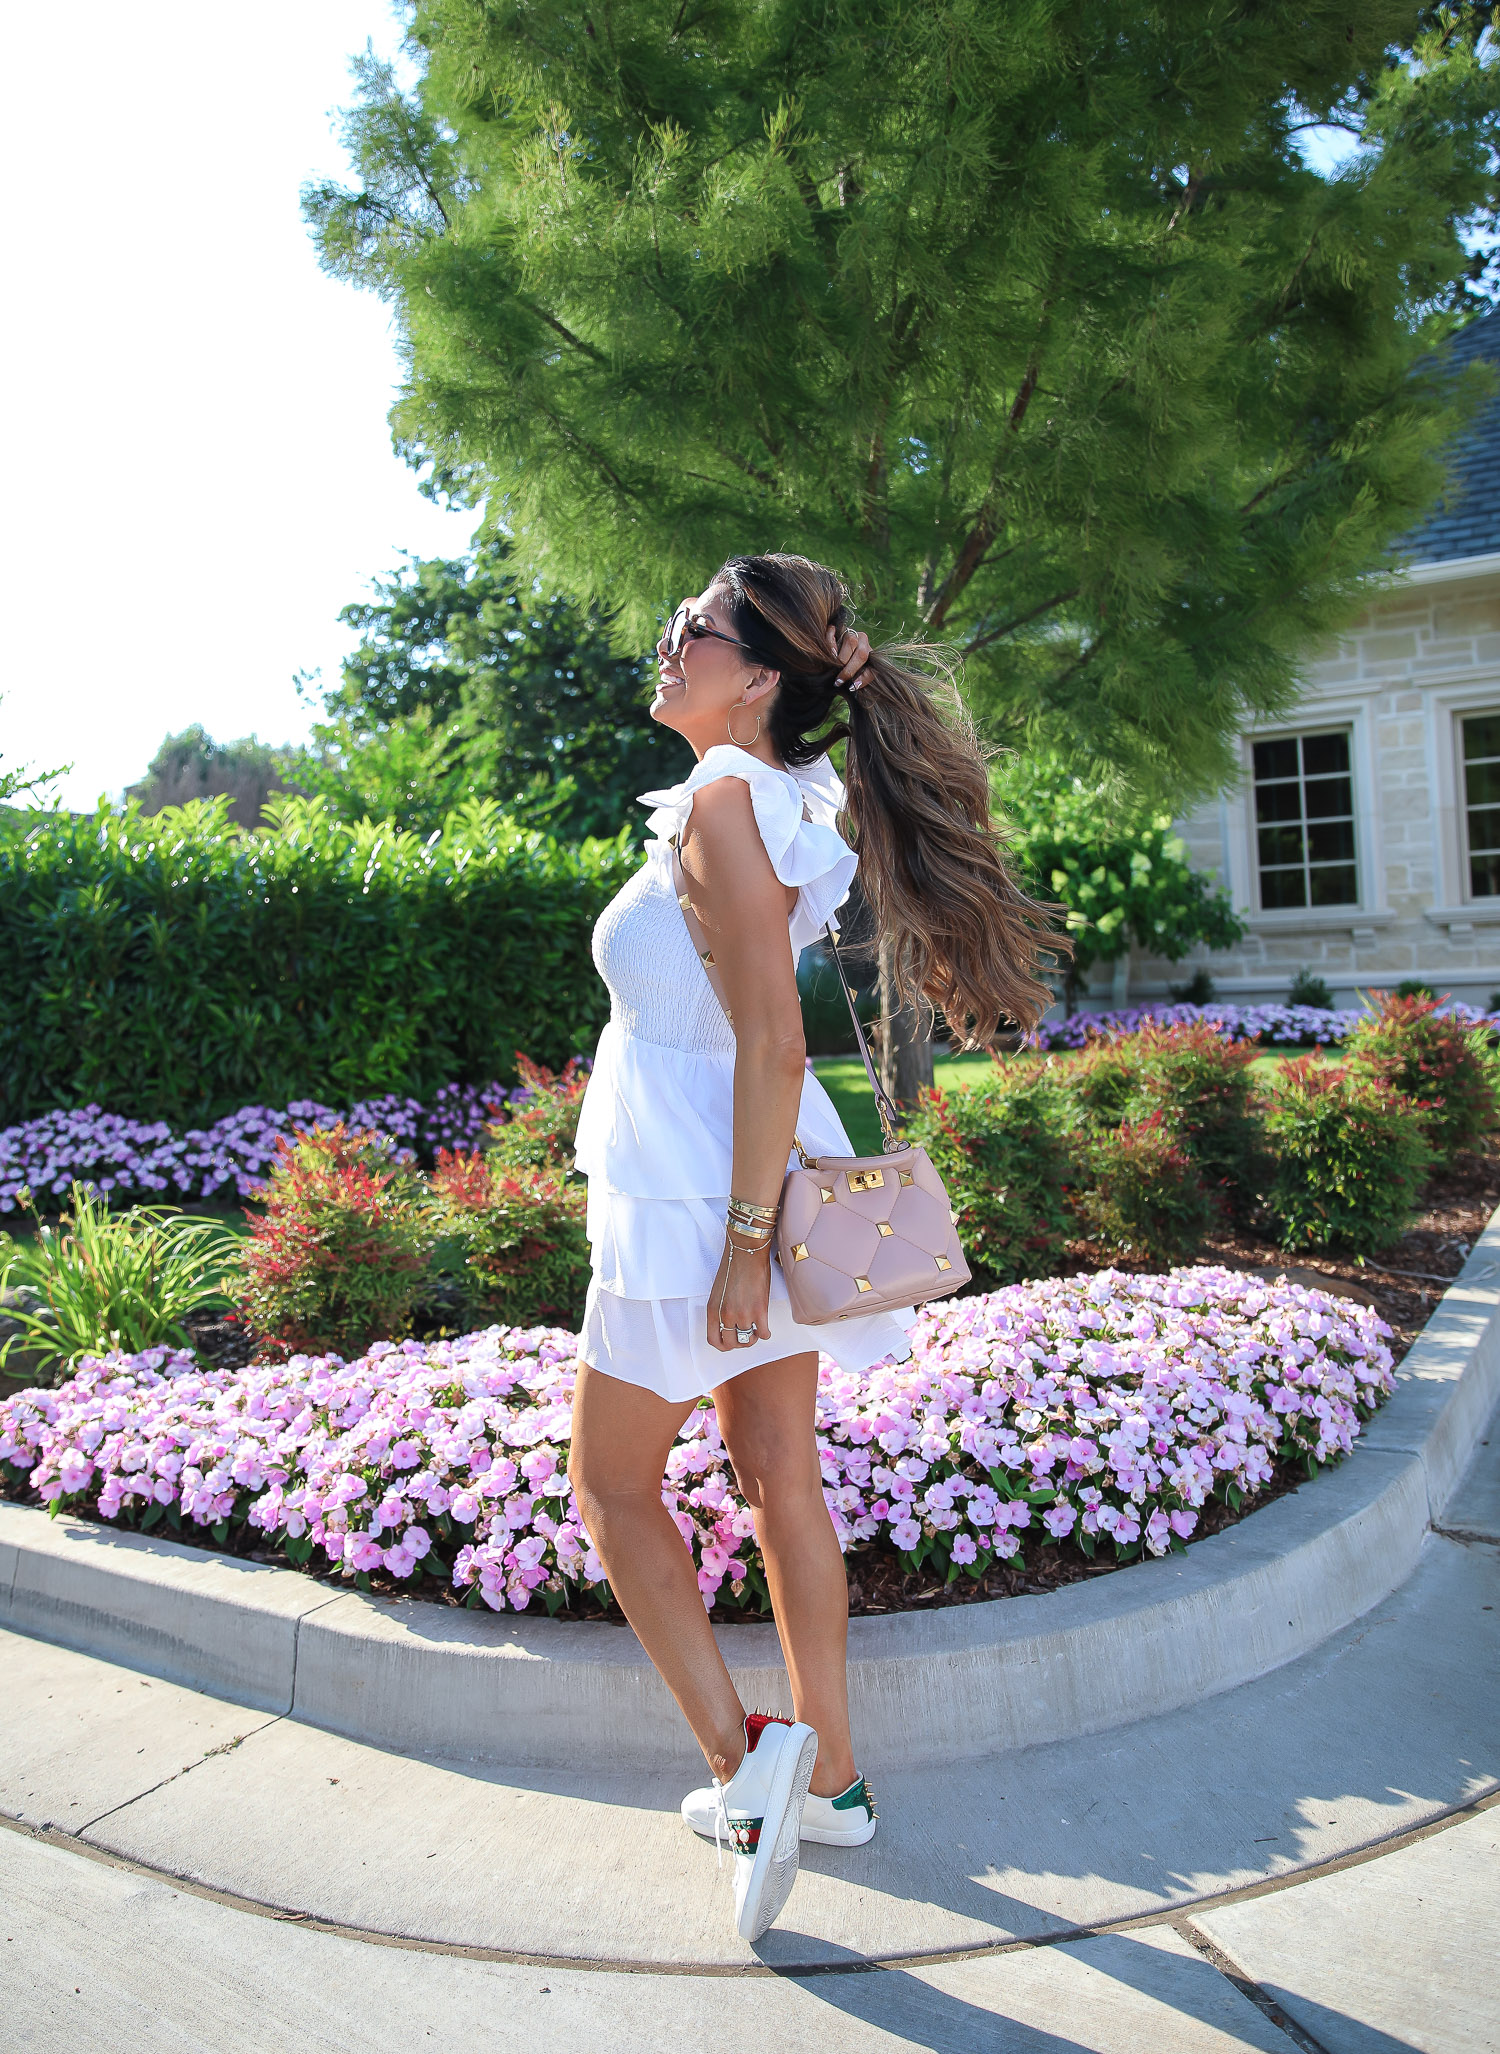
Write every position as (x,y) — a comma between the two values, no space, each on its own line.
(686,1134)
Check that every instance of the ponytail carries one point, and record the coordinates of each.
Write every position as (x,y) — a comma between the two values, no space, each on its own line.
(962,935)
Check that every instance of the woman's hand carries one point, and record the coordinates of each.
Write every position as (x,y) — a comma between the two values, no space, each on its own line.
(851,652)
(741,1297)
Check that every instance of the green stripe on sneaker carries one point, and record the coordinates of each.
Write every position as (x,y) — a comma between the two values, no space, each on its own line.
(856,1796)
(745,1833)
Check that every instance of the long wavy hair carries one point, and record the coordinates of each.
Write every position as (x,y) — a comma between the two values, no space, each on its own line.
(962,934)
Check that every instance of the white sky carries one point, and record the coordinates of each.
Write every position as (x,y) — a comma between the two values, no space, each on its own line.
(198,470)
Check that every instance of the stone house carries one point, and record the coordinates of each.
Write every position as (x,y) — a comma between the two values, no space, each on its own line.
(1363,838)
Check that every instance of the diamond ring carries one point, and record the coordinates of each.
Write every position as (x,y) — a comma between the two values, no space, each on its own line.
(744,1335)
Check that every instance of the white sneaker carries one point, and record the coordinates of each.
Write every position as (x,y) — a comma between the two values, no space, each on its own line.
(847,1820)
(759,1810)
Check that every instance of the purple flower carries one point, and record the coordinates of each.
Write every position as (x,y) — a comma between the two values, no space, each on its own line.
(1140,1396)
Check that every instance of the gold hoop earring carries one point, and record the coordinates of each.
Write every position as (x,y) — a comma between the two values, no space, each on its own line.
(729,724)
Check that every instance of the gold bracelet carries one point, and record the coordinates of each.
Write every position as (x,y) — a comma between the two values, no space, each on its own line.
(760,1212)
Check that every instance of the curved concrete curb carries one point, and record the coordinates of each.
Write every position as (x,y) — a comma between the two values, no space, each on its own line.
(930,1687)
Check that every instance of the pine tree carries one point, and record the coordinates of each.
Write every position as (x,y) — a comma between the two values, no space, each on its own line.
(1031,318)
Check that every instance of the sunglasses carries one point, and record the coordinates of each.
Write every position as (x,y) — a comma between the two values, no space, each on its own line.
(686,626)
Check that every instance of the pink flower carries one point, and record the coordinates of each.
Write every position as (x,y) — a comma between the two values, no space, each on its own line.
(963,1549)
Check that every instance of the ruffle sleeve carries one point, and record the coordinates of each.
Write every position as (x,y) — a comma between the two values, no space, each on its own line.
(795,812)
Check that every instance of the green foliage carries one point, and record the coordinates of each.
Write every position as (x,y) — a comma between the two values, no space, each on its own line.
(540,1134)
(1308,989)
(339,1257)
(174,967)
(353,1246)
(1199,990)
(20,783)
(1171,1139)
(511,1242)
(1350,1156)
(468,683)
(1413,987)
(1200,1083)
(1118,870)
(1032,318)
(102,1279)
(1431,1058)
(1003,1149)
(1146,1200)
(1193,1081)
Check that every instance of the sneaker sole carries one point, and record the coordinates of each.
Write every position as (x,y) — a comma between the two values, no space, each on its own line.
(812,1836)
(857,1838)
(778,1852)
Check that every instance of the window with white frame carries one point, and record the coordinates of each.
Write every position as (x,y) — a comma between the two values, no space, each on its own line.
(1481,733)
(1304,821)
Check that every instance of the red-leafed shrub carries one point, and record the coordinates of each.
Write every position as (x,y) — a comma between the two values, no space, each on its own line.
(1147,1200)
(1002,1147)
(1351,1154)
(540,1134)
(1433,1058)
(340,1257)
(1190,1074)
(511,1242)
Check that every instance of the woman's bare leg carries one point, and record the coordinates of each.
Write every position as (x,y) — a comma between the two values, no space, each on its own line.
(621,1438)
(766,1416)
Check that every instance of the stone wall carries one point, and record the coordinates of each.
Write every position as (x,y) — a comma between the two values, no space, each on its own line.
(1399,682)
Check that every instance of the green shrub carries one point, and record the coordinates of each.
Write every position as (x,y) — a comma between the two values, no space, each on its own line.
(1199,990)
(1351,1154)
(1146,1199)
(175,967)
(1003,1149)
(1432,1058)
(1100,1081)
(1190,1077)
(340,1257)
(540,1134)
(1199,1082)
(511,1243)
(1309,989)
(102,1279)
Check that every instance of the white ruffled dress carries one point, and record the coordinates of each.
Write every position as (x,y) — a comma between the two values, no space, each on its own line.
(655,1132)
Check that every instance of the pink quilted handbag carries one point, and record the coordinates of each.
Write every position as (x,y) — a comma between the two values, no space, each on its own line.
(860,1233)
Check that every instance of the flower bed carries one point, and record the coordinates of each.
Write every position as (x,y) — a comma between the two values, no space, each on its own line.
(1273,1026)
(1093,1410)
(140,1159)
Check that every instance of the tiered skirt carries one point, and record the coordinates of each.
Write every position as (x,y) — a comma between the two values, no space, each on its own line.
(655,1140)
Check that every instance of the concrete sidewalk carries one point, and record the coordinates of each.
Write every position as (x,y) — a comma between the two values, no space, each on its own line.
(1278,1796)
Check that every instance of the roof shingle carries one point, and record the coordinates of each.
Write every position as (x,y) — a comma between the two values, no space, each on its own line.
(1466,520)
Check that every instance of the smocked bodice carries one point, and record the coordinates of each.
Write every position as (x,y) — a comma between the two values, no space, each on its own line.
(658,990)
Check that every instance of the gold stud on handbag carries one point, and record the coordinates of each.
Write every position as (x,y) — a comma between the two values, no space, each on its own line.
(855,1234)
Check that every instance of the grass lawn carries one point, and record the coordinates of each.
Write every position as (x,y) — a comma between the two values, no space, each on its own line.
(843,1078)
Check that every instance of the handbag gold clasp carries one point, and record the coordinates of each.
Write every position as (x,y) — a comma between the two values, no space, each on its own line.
(866,1180)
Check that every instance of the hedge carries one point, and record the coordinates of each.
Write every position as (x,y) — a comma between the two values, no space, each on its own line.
(174,967)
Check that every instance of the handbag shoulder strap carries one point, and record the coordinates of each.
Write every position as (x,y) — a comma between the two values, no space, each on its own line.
(883,1106)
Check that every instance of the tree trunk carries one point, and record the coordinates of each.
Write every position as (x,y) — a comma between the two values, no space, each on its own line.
(905,1040)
